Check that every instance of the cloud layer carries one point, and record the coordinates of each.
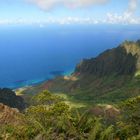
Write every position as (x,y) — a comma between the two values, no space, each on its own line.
(50,4)
(127,17)
(49,20)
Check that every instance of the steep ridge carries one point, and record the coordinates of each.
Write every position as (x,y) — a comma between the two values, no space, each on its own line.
(110,77)
(123,60)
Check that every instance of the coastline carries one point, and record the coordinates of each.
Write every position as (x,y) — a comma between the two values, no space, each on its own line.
(38,82)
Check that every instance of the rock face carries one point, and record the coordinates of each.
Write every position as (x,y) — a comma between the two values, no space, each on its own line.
(9,115)
(123,60)
(9,98)
(107,111)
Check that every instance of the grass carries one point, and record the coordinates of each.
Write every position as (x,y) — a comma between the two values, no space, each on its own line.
(92,91)
(72,102)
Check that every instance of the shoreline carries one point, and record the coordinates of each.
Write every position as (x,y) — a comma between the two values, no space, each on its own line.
(37,82)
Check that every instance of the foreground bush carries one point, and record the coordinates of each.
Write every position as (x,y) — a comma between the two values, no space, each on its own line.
(55,120)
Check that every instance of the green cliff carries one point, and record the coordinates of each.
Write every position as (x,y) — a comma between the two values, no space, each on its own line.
(111,76)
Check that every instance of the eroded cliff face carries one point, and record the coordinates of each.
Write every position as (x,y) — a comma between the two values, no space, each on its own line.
(9,98)
(123,60)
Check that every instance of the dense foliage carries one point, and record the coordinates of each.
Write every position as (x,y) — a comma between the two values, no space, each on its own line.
(8,97)
(49,118)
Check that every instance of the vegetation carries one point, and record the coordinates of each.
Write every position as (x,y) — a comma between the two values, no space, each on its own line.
(50,118)
(8,97)
(102,103)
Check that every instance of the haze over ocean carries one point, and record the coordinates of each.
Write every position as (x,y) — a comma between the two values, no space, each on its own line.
(32,54)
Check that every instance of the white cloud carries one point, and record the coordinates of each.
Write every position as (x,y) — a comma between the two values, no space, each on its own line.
(72,20)
(19,21)
(132,7)
(49,20)
(50,4)
(127,17)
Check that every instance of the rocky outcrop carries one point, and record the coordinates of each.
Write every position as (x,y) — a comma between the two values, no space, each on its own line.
(9,115)
(9,98)
(107,111)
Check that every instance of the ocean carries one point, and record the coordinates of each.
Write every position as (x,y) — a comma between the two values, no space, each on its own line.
(32,54)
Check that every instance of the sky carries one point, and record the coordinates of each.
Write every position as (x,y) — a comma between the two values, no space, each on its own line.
(42,12)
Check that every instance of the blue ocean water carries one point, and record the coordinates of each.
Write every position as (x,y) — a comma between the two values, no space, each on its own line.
(30,54)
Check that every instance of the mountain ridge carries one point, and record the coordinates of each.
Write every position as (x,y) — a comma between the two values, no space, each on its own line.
(111,76)
(125,59)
